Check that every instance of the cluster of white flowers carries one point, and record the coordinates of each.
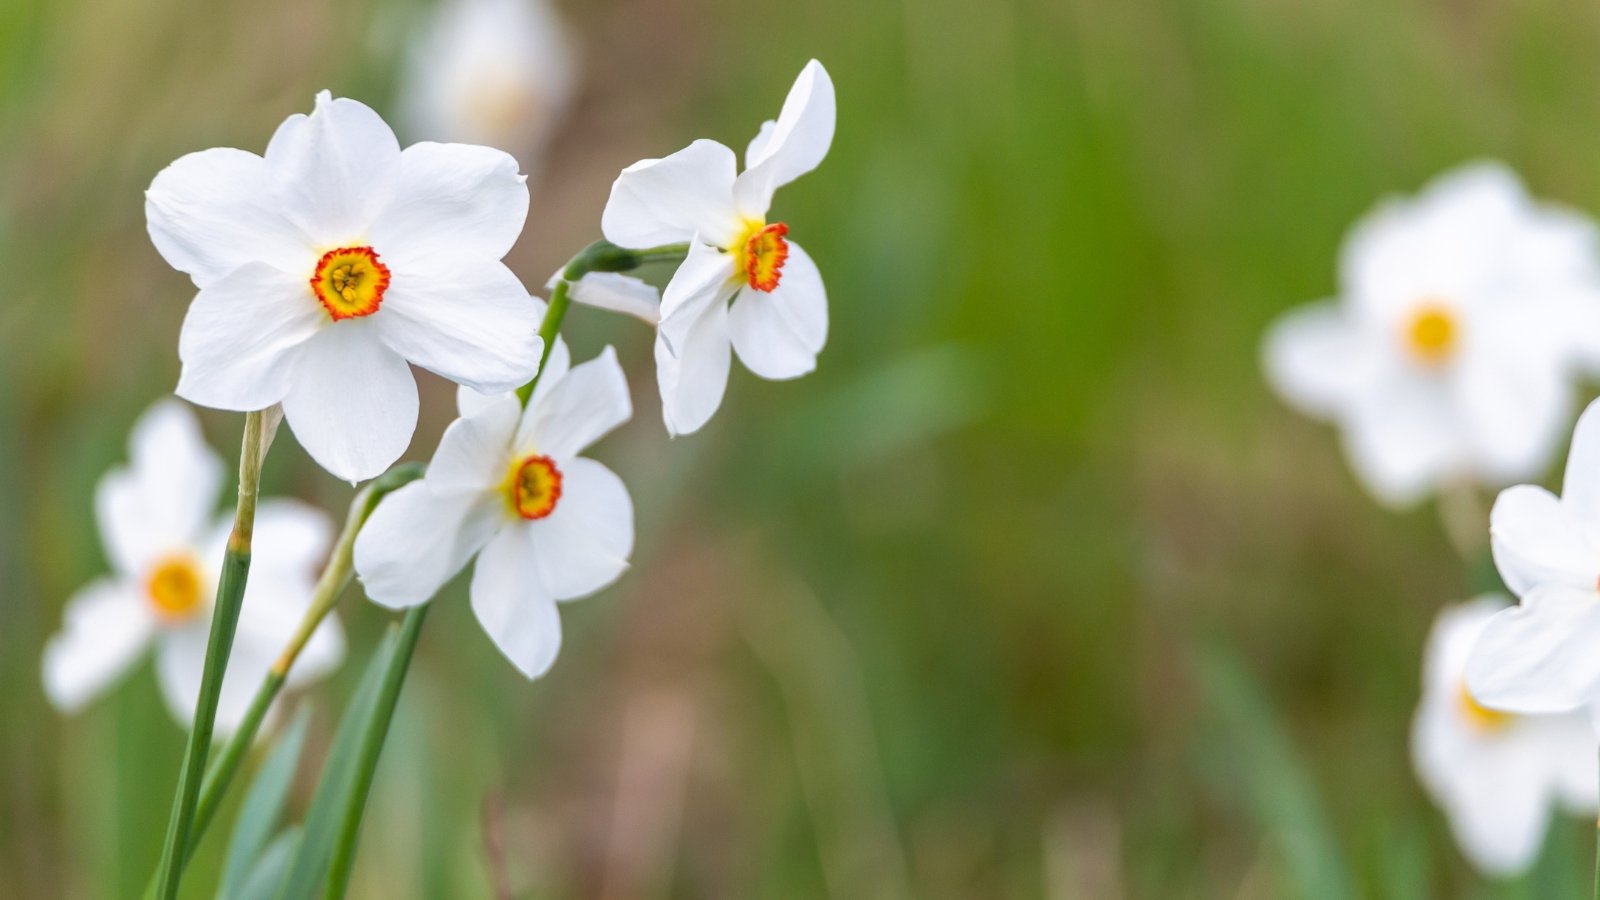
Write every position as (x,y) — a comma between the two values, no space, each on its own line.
(330,264)
(1451,361)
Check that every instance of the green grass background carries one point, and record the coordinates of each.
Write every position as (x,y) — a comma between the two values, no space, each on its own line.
(1032,590)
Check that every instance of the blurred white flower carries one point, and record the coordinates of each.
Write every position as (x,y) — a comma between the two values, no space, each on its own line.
(495,72)
(166,547)
(1496,775)
(1541,656)
(326,266)
(778,320)
(1451,353)
(507,484)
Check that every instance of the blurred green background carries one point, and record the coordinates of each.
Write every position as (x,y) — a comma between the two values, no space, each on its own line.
(1032,590)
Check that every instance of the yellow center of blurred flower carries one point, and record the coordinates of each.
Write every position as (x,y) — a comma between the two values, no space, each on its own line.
(176,588)
(1432,334)
(533,487)
(762,252)
(1479,716)
(349,282)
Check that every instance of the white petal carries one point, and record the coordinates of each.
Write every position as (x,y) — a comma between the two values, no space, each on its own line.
(1580,489)
(1539,657)
(335,169)
(1571,750)
(506,596)
(476,450)
(618,293)
(668,201)
(693,379)
(793,146)
(417,539)
(290,537)
(584,544)
(579,409)
(213,211)
(180,665)
(1537,540)
(1402,440)
(107,626)
(354,402)
(779,334)
(455,203)
(704,278)
(276,601)
(1516,409)
(1499,810)
(242,335)
(471,322)
(163,501)
(1317,359)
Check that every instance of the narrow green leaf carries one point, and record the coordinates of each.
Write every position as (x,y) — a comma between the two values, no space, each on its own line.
(263,804)
(261,883)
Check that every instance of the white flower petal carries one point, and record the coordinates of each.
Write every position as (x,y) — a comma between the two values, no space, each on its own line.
(1499,810)
(618,293)
(471,322)
(242,335)
(163,500)
(418,539)
(335,169)
(1580,488)
(107,627)
(1402,441)
(668,201)
(584,544)
(1539,657)
(456,205)
(291,537)
(705,277)
(213,211)
(1317,359)
(579,409)
(180,665)
(476,450)
(1571,749)
(795,145)
(1516,409)
(518,616)
(1537,540)
(275,602)
(353,406)
(779,334)
(693,379)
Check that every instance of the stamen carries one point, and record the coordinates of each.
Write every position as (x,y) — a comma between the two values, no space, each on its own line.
(175,588)
(349,282)
(533,487)
(1482,717)
(765,252)
(1433,334)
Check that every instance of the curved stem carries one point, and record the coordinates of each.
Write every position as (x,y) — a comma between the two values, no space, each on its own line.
(224,621)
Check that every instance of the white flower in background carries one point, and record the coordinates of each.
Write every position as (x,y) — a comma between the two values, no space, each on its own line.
(1496,775)
(778,318)
(166,548)
(507,484)
(1541,656)
(495,72)
(1452,350)
(327,265)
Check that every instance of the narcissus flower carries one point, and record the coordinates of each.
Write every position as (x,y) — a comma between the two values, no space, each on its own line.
(745,283)
(508,486)
(328,264)
(157,521)
(1453,348)
(1497,775)
(1541,656)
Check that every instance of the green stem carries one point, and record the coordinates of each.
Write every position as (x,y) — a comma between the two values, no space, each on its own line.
(224,621)
(371,748)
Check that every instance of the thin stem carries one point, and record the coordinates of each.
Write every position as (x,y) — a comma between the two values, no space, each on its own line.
(224,621)
(560,299)
(394,677)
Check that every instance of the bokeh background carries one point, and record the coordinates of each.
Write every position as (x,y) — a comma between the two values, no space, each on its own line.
(1032,590)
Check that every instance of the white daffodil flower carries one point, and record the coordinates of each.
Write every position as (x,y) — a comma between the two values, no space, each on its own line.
(327,265)
(1497,775)
(778,318)
(494,72)
(508,485)
(157,521)
(1540,656)
(1452,350)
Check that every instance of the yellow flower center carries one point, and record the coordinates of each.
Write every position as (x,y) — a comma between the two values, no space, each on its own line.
(533,486)
(762,252)
(349,282)
(176,588)
(1481,717)
(1433,334)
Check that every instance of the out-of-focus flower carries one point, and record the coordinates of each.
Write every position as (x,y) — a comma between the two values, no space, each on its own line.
(1497,775)
(778,318)
(157,522)
(508,485)
(1541,656)
(495,72)
(1453,347)
(330,263)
